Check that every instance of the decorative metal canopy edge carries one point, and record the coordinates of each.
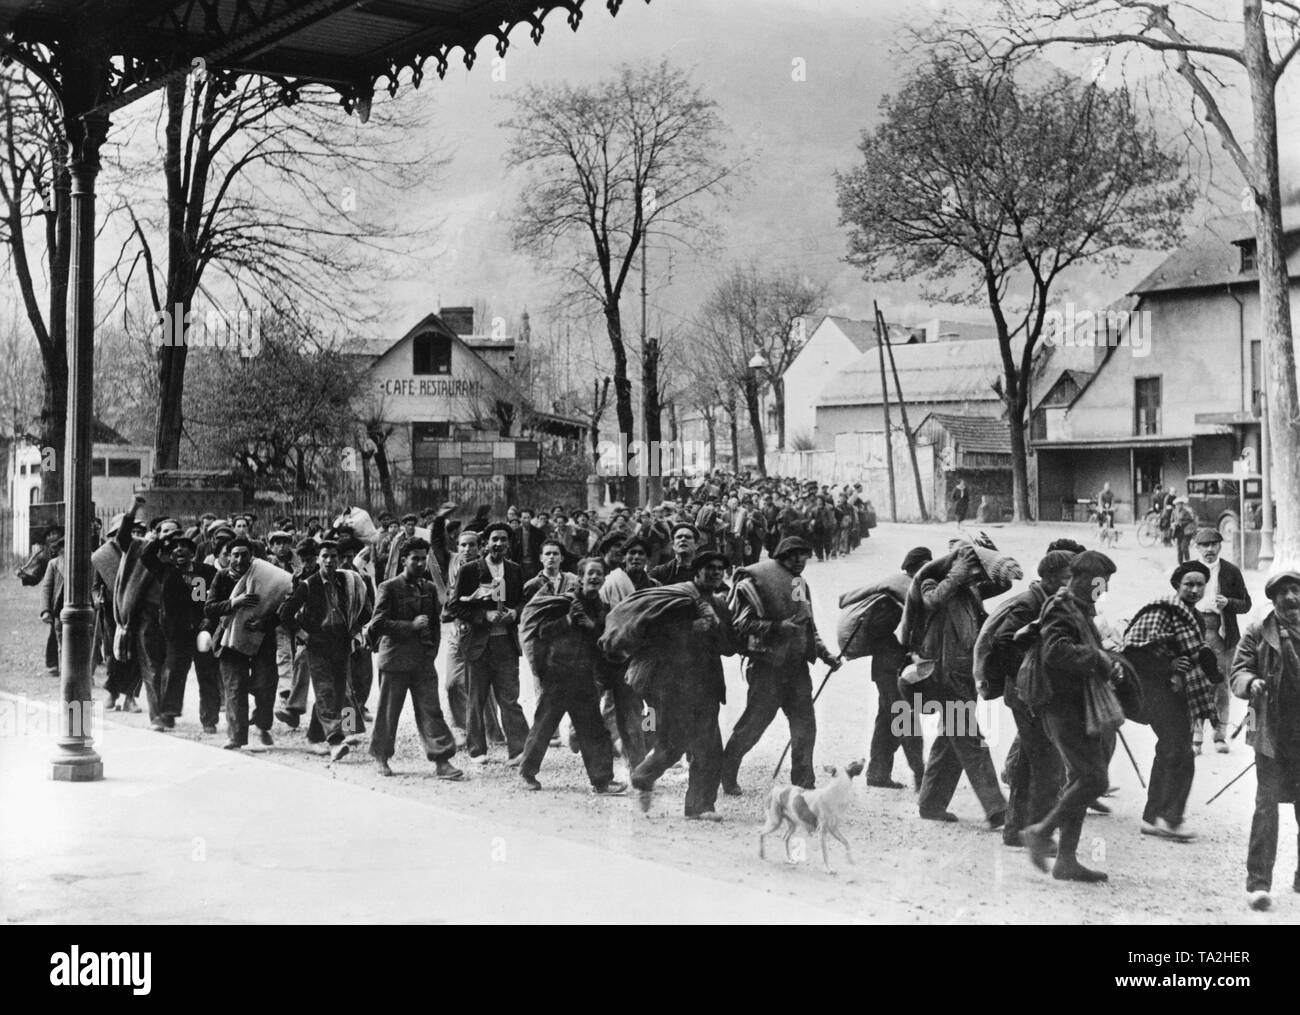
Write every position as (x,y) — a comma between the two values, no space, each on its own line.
(350,46)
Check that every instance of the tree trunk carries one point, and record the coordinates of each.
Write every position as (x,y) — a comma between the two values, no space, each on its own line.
(674,428)
(711,425)
(734,423)
(178,295)
(627,488)
(652,411)
(1274,295)
(385,477)
(365,479)
(778,394)
(755,408)
(1019,459)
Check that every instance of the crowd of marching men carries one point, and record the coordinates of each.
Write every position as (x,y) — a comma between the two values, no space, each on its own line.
(625,627)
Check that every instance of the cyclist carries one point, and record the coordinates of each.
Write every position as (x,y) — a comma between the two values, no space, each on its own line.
(1105,503)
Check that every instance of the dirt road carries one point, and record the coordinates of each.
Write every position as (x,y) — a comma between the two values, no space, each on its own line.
(908,870)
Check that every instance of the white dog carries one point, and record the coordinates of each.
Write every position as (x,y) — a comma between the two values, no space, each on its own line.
(812,810)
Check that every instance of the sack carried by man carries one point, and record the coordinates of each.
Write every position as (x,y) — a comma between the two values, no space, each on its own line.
(865,625)
(634,621)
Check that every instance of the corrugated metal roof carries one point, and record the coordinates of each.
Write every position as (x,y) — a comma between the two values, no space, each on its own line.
(928,372)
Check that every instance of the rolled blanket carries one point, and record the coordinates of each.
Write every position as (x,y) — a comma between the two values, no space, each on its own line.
(618,586)
(274,585)
(536,612)
(632,622)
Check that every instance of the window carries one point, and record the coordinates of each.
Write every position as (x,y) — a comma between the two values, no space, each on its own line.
(98,467)
(122,467)
(431,353)
(1256,376)
(1146,406)
(1247,257)
(1038,426)
(430,432)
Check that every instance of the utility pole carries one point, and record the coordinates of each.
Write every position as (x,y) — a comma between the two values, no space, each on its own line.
(902,411)
(889,440)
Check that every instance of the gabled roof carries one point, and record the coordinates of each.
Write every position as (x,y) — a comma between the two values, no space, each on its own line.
(927,372)
(974,433)
(1078,378)
(1212,256)
(376,349)
(861,333)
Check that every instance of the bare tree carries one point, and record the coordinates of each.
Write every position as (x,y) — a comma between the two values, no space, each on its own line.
(979,182)
(35,225)
(604,164)
(260,207)
(1211,53)
(751,323)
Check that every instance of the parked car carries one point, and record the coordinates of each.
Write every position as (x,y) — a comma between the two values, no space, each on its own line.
(1215,497)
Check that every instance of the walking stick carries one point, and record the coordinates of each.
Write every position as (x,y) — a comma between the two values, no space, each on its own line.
(1234,779)
(1141,781)
(776,771)
(1241,725)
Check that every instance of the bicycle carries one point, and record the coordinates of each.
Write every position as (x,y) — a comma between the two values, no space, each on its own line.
(1105,520)
(1150,529)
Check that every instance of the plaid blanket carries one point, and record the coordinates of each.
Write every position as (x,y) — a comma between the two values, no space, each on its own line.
(1169,626)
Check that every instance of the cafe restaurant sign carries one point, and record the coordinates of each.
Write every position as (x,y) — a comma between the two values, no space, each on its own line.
(435,387)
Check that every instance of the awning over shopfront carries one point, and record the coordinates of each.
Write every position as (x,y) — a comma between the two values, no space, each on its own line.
(1114,443)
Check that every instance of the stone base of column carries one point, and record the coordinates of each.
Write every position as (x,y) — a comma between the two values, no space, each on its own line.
(76,764)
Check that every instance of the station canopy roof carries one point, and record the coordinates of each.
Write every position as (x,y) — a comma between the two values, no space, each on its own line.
(349,45)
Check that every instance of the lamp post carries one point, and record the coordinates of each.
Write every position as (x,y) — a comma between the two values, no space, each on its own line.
(756,366)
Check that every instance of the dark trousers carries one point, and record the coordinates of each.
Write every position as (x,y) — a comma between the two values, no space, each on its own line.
(458,694)
(242,675)
(53,644)
(334,715)
(496,671)
(1033,771)
(150,653)
(120,678)
(686,720)
(1086,774)
(293,692)
(179,656)
(576,695)
(896,723)
(361,676)
(1175,764)
(1184,547)
(789,690)
(423,688)
(1275,779)
(958,748)
(621,708)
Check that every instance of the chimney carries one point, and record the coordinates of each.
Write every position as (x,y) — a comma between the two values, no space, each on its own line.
(459,319)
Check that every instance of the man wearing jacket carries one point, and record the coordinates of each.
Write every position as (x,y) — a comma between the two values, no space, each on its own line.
(488,596)
(185,587)
(1033,766)
(407,626)
(896,724)
(1070,655)
(685,540)
(330,608)
(941,620)
(1225,597)
(243,674)
(772,607)
(1266,672)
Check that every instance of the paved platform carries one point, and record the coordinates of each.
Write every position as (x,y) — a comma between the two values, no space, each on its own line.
(179,832)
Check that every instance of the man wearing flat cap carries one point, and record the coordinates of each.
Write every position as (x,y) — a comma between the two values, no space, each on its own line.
(1266,672)
(772,607)
(1225,597)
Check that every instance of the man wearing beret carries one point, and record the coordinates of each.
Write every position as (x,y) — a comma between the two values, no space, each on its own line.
(772,607)
(1266,672)
(1225,597)
(1070,654)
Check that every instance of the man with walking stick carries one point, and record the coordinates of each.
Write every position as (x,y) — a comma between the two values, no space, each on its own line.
(1266,672)
(772,607)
